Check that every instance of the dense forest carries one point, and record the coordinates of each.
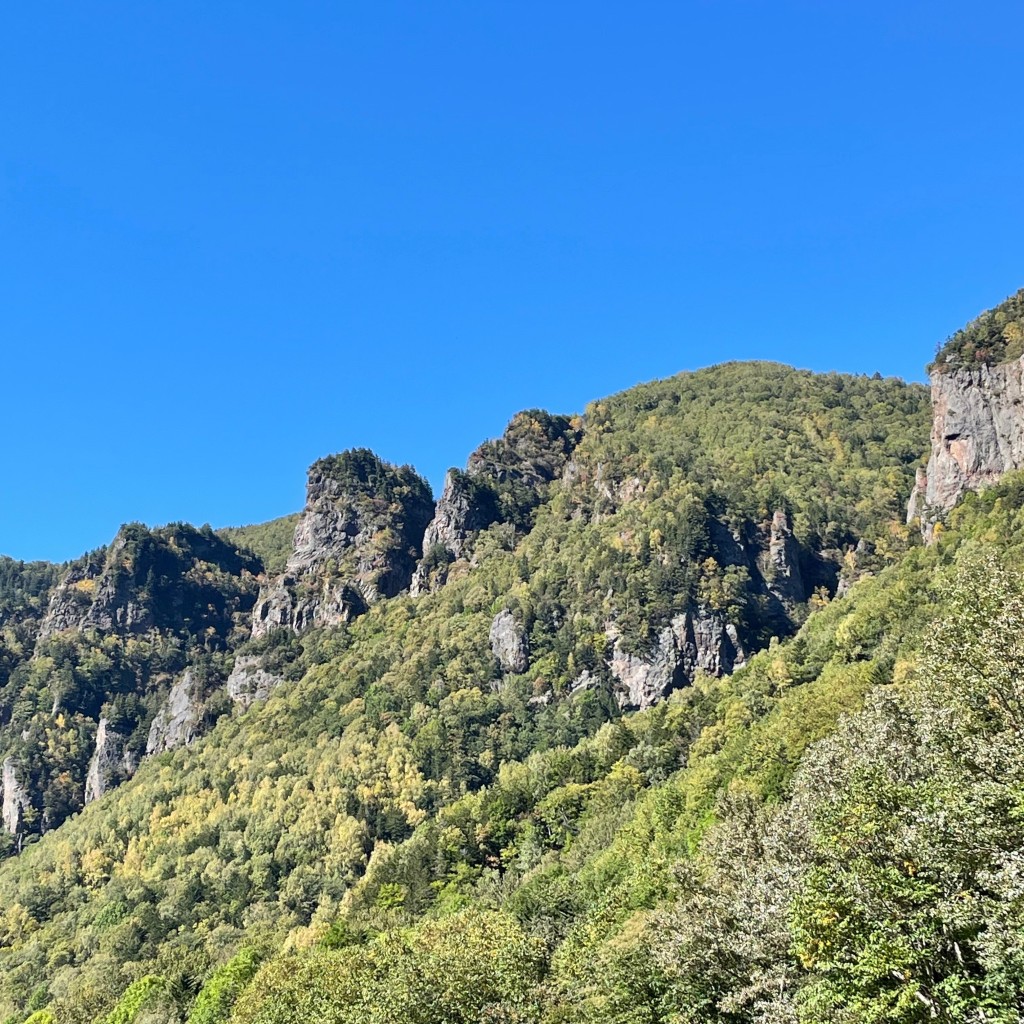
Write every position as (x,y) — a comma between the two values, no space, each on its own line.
(461,807)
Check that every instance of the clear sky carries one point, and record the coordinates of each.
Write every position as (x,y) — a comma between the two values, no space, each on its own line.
(239,236)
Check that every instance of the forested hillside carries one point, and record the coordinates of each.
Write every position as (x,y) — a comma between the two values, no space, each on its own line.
(271,541)
(468,762)
(995,336)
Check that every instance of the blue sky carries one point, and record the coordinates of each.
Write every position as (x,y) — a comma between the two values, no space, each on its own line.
(235,237)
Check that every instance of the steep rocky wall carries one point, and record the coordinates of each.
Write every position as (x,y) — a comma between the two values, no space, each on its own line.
(250,681)
(504,481)
(179,718)
(977,436)
(171,578)
(356,542)
(16,800)
(698,641)
(110,764)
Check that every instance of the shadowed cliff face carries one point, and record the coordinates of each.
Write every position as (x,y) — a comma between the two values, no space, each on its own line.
(977,435)
(109,658)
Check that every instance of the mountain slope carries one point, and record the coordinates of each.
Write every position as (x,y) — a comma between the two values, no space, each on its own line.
(691,520)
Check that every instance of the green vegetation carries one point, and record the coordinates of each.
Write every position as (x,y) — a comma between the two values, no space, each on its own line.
(271,542)
(510,476)
(833,450)
(24,587)
(404,832)
(832,834)
(996,336)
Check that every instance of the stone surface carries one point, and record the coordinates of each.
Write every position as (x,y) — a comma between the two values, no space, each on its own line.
(977,435)
(16,800)
(166,578)
(783,576)
(505,479)
(586,680)
(460,514)
(110,764)
(692,642)
(177,722)
(91,596)
(509,644)
(356,542)
(298,603)
(250,681)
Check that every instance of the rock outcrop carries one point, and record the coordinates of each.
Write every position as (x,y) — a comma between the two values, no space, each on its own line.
(509,644)
(356,542)
(693,642)
(504,481)
(178,721)
(174,577)
(463,510)
(250,681)
(782,572)
(977,435)
(16,801)
(110,764)
(98,594)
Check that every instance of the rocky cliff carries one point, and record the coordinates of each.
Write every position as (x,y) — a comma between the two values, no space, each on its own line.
(111,762)
(176,577)
(16,800)
(356,542)
(674,528)
(88,649)
(698,641)
(977,390)
(977,435)
(504,482)
(251,680)
(179,718)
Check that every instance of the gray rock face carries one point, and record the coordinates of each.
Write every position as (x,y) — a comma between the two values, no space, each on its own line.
(89,597)
(782,570)
(154,579)
(16,799)
(692,642)
(178,720)
(458,516)
(298,603)
(509,644)
(586,680)
(356,542)
(250,681)
(505,479)
(977,435)
(110,764)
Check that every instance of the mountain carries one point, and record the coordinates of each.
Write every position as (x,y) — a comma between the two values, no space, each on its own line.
(645,719)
